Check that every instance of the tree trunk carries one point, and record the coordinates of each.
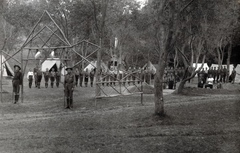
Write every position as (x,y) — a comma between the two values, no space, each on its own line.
(158,89)
(158,93)
(229,60)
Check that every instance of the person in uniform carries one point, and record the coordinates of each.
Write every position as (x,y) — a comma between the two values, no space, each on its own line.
(39,77)
(52,76)
(76,76)
(92,73)
(16,82)
(35,75)
(214,72)
(46,77)
(69,83)
(81,74)
(58,78)
(225,72)
(86,77)
(30,77)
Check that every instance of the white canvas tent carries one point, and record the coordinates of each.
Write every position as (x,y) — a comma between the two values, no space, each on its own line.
(51,63)
(93,65)
(198,65)
(5,68)
(150,67)
(237,78)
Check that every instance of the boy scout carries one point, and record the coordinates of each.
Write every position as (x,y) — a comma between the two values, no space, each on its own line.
(46,77)
(16,82)
(58,77)
(69,83)
(39,77)
(52,76)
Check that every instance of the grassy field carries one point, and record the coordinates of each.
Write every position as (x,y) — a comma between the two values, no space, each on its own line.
(197,121)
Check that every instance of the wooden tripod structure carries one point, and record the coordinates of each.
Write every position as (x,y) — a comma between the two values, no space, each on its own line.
(34,38)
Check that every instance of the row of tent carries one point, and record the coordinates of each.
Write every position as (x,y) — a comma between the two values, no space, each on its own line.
(56,63)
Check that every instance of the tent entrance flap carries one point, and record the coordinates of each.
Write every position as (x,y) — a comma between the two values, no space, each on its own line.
(8,71)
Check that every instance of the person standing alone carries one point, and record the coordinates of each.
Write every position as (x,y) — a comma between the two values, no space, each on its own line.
(69,83)
(16,82)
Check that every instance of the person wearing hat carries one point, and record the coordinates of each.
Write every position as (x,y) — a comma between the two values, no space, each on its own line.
(69,83)
(16,82)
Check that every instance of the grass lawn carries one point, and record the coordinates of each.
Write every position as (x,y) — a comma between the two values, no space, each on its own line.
(197,121)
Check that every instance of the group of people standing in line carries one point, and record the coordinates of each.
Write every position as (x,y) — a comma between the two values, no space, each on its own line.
(37,75)
(214,75)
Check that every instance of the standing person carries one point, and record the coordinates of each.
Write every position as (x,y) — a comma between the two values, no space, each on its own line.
(35,75)
(225,71)
(69,83)
(39,77)
(221,74)
(81,74)
(233,75)
(30,77)
(16,82)
(52,76)
(46,77)
(76,76)
(171,82)
(214,72)
(58,78)
(92,73)
(86,77)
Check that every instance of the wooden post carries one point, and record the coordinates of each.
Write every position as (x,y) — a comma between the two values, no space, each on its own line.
(22,76)
(98,93)
(1,76)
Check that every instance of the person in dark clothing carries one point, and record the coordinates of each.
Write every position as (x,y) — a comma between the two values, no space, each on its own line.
(58,78)
(39,77)
(224,73)
(86,77)
(35,76)
(52,76)
(81,74)
(214,72)
(69,83)
(76,76)
(16,82)
(92,73)
(46,77)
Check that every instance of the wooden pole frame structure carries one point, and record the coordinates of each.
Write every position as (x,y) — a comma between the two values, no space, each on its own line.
(32,36)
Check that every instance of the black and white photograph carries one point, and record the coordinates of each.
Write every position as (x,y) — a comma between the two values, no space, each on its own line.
(119,76)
